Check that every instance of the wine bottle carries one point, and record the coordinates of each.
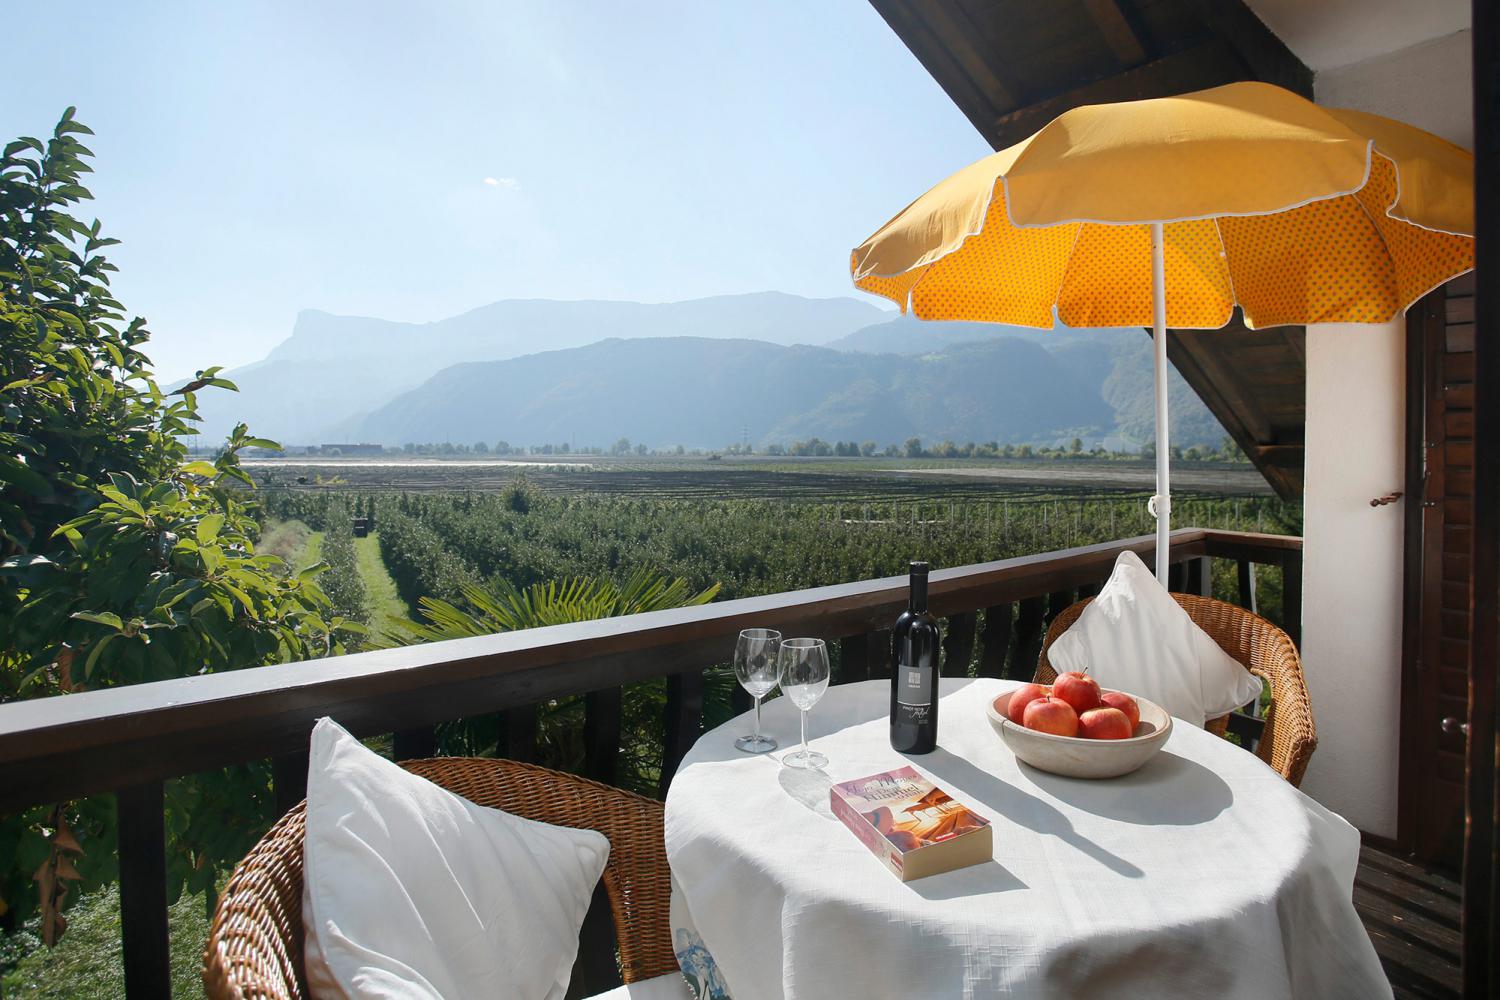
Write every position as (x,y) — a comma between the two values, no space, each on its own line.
(914,672)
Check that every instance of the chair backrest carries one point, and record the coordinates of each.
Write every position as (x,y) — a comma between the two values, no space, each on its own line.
(1290,736)
(254,949)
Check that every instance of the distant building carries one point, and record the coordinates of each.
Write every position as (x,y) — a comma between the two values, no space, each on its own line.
(348,450)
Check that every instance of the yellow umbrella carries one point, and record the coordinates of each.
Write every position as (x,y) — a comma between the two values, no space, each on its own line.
(1171,212)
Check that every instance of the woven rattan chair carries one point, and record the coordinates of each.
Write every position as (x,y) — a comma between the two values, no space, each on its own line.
(1266,651)
(254,947)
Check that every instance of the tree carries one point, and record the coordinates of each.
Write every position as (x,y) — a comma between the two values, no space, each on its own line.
(641,449)
(1076,447)
(622,446)
(913,447)
(480,448)
(120,559)
(868,448)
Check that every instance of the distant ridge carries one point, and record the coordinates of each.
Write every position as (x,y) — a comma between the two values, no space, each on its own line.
(334,367)
(862,373)
(703,393)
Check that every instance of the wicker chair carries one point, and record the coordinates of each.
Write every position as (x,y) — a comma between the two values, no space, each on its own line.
(254,947)
(1266,651)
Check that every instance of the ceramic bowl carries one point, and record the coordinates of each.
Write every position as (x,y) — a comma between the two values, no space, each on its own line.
(1074,757)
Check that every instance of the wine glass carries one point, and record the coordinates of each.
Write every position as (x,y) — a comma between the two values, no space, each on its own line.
(755,668)
(804,678)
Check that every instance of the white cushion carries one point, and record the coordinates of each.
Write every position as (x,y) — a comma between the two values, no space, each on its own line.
(411,891)
(1135,638)
(669,987)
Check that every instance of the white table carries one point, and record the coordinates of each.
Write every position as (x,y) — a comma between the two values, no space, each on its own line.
(1203,874)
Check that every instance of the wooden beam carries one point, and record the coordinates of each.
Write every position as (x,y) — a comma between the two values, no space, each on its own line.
(1119,34)
(1481,896)
(1207,65)
(966,41)
(60,748)
(1258,46)
(1236,408)
(934,54)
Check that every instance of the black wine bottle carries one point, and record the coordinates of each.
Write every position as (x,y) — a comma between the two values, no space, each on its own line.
(914,672)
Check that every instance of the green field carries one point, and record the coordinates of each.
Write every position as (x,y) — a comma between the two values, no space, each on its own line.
(751,526)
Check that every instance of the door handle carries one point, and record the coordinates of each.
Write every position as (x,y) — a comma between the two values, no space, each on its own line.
(1389,498)
(1452,725)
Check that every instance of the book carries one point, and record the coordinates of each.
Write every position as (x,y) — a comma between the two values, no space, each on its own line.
(914,827)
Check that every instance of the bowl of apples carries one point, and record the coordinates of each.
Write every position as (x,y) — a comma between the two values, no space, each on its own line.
(1077,729)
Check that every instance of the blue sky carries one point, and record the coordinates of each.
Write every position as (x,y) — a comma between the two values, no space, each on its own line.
(260,158)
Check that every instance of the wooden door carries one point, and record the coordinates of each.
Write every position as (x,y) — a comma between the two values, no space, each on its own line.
(1439,516)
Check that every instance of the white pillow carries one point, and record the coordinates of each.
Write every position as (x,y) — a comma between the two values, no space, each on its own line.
(411,891)
(1134,637)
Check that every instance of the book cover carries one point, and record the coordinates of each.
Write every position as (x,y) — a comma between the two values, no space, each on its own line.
(914,827)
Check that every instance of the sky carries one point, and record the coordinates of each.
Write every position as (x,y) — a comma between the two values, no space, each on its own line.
(413,161)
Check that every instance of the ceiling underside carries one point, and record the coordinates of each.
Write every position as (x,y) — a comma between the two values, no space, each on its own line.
(1013,65)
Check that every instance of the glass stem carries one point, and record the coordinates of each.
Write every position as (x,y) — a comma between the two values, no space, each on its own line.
(804,732)
(757,717)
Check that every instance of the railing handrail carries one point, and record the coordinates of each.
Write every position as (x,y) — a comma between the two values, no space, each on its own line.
(57,748)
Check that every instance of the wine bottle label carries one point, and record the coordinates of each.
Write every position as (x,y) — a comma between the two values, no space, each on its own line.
(914,691)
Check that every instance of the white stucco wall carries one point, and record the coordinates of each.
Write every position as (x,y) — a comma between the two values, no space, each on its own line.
(1429,85)
(1351,613)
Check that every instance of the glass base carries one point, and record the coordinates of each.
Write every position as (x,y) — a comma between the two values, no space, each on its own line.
(755,744)
(808,759)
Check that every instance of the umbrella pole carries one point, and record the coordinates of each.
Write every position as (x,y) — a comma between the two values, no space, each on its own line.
(1161,503)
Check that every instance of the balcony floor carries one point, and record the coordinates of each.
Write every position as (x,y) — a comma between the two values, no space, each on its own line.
(1412,916)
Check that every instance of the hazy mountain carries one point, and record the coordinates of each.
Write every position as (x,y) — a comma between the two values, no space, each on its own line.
(705,393)
(1117,364)
(333,368)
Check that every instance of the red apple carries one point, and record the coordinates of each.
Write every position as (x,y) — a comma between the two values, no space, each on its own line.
(1125,703)
(1050,714)
(1104,724)
(1020,698)
(1077,689)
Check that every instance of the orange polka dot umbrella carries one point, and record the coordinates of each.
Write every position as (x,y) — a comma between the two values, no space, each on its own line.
(1171,212)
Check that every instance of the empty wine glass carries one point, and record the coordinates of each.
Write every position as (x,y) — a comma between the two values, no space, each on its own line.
(755,667)
(804,678)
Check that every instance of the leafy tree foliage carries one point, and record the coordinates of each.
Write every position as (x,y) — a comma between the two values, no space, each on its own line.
(121,561)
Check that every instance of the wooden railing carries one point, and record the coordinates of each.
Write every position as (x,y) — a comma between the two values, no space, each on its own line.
(128,740)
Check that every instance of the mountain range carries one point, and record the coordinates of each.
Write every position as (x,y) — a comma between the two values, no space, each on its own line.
(700,373)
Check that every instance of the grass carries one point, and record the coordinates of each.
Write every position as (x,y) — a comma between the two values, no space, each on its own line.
(311,552)
(86,963)
(293,541)
(381,598)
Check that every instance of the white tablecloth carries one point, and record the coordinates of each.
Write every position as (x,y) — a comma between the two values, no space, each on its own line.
(1203,874)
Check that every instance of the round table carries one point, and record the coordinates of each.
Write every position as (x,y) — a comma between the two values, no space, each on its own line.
(1202,874)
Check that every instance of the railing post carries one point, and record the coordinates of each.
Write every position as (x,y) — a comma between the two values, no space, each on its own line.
(684,719)
(879,653)
(1199,579)
(1030,626)
(601,735)
(854,658)
(958,645)
(289,780)
(995,641)
(142,840)
(518,733)
(1245,570)
(1291,595)
(415,744)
